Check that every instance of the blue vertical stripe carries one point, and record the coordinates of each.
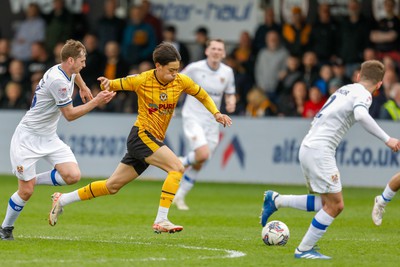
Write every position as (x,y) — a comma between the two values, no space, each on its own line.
(310,203)
(15,206)
(53,177)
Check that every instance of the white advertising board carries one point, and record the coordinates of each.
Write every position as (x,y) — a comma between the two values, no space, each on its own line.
(251,151)
(223,19)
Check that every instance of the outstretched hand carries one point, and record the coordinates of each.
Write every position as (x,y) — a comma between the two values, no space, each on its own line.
(104,83)
(393,144)
(225,120)
(104,97)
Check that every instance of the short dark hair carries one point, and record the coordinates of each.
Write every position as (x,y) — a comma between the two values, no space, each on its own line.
(170,28)
(202,30)
(165,53)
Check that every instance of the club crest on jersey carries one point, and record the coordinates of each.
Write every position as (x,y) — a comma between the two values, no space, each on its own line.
(163,97)
(20,169)
(62,92)
(222,79)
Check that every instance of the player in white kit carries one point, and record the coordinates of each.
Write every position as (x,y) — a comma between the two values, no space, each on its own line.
(383,199)
(35,137)
(349,104)
(199,126)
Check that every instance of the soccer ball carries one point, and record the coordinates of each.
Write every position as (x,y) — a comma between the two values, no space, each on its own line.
(275,233)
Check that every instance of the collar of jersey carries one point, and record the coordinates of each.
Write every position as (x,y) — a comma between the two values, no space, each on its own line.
(158,80)
(212,68)
(66,76)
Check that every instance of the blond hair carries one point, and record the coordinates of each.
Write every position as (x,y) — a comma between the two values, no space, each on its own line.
(72,48)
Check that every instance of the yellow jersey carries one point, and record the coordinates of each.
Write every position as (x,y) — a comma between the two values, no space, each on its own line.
(157,101)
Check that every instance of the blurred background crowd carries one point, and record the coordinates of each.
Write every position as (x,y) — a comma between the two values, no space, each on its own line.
(286,69)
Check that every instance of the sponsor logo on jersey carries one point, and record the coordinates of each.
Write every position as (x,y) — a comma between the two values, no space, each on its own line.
(163,109)
(152,108)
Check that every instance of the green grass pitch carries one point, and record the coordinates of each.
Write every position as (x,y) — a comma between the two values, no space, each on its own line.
(221,229)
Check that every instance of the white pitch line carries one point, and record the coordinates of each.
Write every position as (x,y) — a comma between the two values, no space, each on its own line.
(228,253)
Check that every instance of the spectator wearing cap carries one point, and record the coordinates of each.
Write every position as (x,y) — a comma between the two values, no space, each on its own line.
(296,35)
(201,38)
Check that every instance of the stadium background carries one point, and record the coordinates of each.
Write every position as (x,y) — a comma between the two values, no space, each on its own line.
(268,155)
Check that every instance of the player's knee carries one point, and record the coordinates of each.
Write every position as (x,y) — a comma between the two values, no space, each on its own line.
(25,192)
(340,207)
(72,177)
(113,188)
(180,168)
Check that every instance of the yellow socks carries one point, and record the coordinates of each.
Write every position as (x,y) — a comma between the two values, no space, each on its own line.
(92,190)
(169,188)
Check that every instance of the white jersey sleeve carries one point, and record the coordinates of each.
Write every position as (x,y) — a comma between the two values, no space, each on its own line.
(337,116)
(54,90)
(215,82)
(362,116)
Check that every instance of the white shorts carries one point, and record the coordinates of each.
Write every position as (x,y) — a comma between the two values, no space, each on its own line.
(320,170)
(26,149)
(201,133)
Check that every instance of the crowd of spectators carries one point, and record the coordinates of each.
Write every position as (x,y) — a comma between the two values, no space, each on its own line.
(284,69)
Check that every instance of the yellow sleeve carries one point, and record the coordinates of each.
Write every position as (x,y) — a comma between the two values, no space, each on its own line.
(128,83)
(206,100)
(199,93)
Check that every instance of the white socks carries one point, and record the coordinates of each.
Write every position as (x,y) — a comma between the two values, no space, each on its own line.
(50,178)
(302,202)
(387,195)
(189,159)
(162,214)
(14,208)
(316,230)
(69,198)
